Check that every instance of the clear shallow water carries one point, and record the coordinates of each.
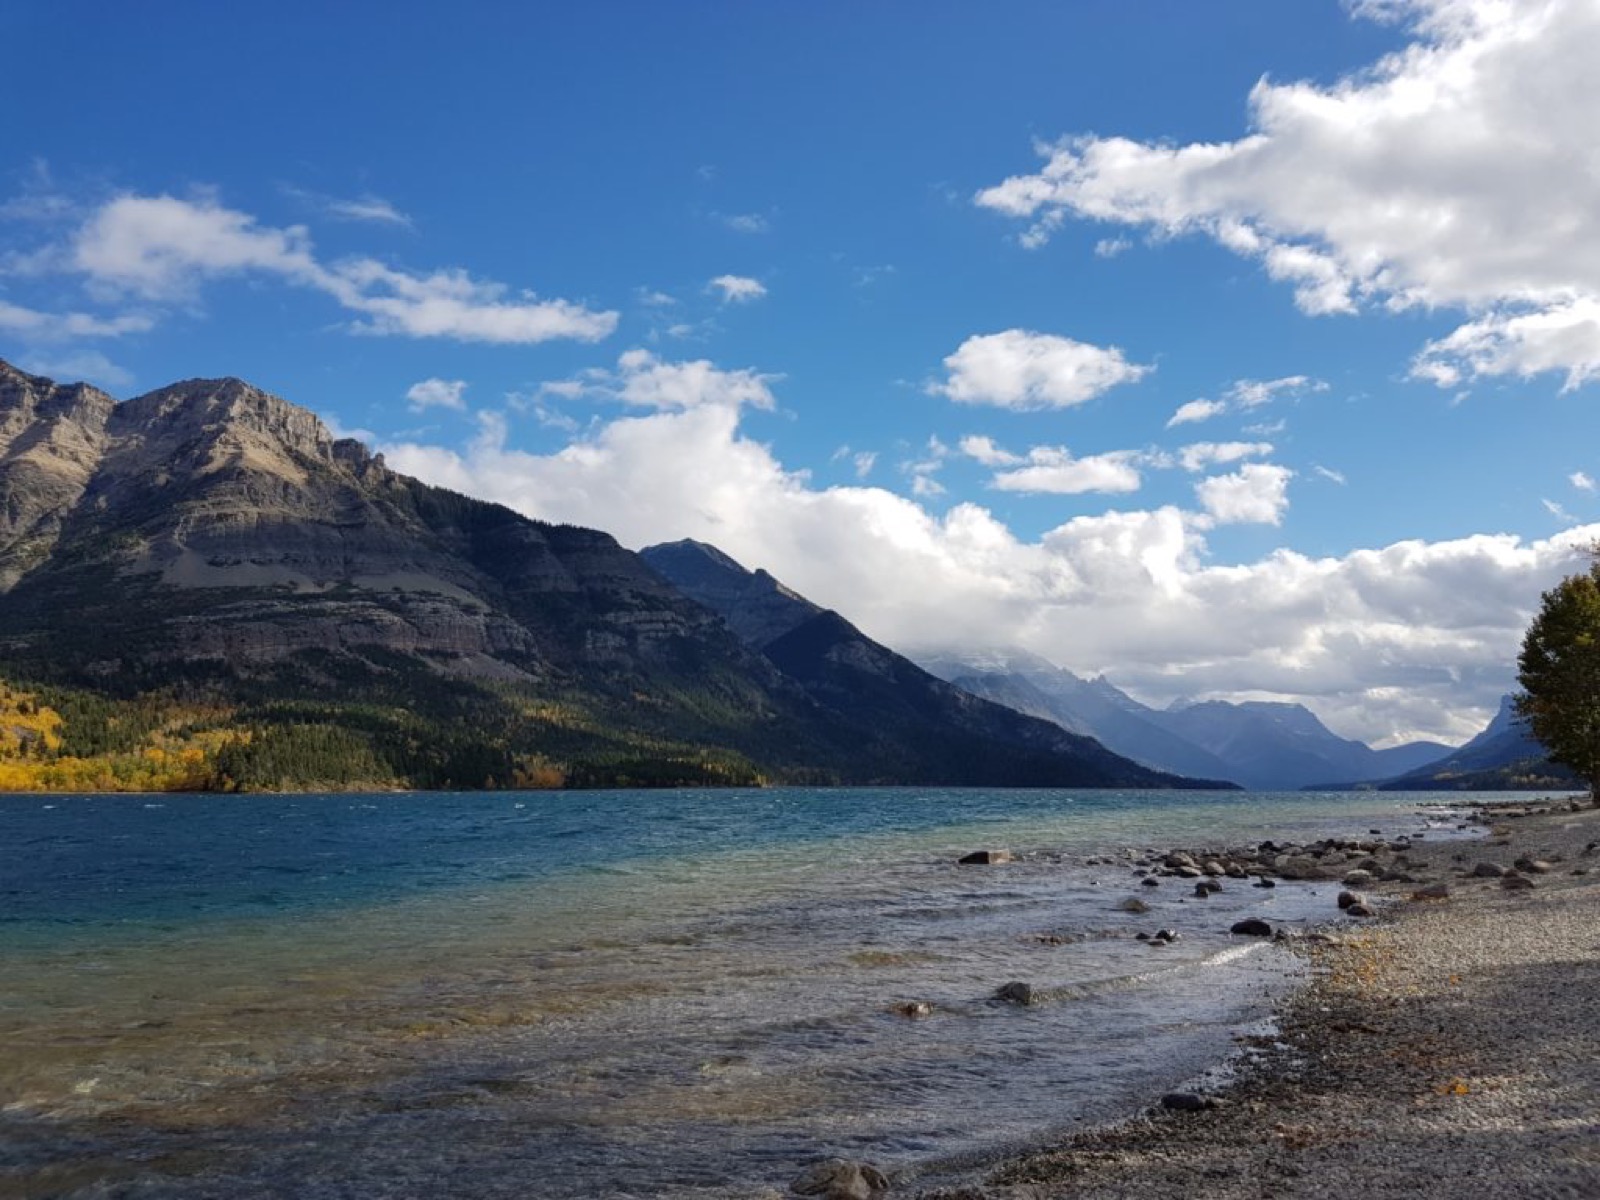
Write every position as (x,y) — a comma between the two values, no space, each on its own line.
(602,994)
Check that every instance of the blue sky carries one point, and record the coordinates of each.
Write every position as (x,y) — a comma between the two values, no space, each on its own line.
(1239,349)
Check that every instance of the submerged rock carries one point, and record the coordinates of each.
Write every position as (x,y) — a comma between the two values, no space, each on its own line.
(986,858)
(841,1179)
(1016,992)
(1134,905)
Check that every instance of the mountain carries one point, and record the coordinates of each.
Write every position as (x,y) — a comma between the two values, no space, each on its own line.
(1274,746)
(1504,756)
(875,688)
(1263,746)
(203,575)
(1091,707)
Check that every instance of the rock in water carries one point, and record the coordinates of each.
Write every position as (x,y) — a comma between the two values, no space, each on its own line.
(986,857)
(1252,927)
(1134,905)
(1349,900)
(841,1179)
(1016,992)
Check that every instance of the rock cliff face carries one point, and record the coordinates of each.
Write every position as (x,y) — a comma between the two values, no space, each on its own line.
(210,540)
(256,535)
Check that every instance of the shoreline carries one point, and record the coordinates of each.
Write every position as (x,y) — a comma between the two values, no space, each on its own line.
(1448,1046)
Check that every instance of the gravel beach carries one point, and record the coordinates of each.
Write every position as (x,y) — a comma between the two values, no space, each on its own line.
(1447,1047)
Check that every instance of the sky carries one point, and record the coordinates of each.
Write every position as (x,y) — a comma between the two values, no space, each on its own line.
(1243,350)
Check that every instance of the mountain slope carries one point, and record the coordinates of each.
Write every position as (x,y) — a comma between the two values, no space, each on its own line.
(1505,755)
(205,564)
(877,689)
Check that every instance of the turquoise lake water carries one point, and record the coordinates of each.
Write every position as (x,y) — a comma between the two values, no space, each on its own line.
(685,993)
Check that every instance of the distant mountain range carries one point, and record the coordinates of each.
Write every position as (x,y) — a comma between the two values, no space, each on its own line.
(1263,746)
(1504,756)
(203,578)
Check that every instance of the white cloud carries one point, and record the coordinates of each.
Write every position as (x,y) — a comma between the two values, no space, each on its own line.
(747,223)
(438,393)
(984,450)
(1330,474)
(1200,455)
(163,249)
(1255,494)
(1581,481)
(53,327)
(1027,371)
(1456,172)
(1559,513)
(738,289)
(641,380)
(88,365)
(1053,470)
(1244,395)
(369,208)
(1195,411)
(864,461)
(1111,247)
(1413,638)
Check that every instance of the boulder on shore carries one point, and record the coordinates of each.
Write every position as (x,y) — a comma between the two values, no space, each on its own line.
(1252,927)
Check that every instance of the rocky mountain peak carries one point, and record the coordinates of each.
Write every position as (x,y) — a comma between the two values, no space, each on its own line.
(202,407)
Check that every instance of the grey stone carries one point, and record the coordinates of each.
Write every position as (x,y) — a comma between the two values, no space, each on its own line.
(1134,905)
(1016,992)
(841,1179)
(1252,927)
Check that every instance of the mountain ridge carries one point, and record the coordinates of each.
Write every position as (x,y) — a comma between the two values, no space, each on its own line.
(209,551)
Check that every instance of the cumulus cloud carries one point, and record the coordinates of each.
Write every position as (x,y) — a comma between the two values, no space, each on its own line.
(1581,481)
(1200,455)
(1404,640)
(437,393)
(1053,470)
(642,380)
(1024,371)
(984,450)
(1456,172)
(738,289)
(163,249)
(1255,494)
